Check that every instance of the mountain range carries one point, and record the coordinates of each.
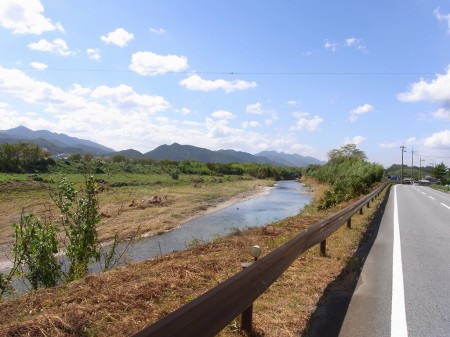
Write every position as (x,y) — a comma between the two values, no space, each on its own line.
(60,144)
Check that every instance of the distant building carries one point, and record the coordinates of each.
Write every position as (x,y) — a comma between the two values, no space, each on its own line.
(424,182)
(409,181)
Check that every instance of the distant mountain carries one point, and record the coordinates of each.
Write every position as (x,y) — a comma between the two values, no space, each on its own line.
(244,157)
(284,159)
(188,152)
(59,143)
(130,153)
(54,142)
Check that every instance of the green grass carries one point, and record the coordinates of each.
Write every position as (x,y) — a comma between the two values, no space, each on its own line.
(441,187)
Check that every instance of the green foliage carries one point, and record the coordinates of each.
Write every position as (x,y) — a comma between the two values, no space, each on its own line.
(348,173)
(5,283)
(441,172)
(35,246)
(345,153)
(79,217)
(23,158)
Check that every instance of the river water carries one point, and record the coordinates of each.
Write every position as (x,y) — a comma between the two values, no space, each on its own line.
(286,198)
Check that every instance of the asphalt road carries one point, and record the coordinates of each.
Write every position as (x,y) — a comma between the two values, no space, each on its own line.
(404,287)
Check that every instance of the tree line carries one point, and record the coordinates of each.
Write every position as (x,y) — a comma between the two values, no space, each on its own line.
(30,158)
(24,158)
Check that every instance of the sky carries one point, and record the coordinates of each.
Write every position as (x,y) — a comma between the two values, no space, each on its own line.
(297,76)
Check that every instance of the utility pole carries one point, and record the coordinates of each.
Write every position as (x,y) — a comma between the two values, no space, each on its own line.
(412,163)
(403,148)
(420,168)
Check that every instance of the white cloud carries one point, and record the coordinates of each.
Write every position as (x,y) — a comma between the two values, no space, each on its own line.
(148,63)
(293,103)
(183,111)
(331,46)
(304,123)
(255,108)
(118,116)
(355,43)
(26,17)
(411,141)
(272,119)
(222,114)
(57,46)
(442,17)
(220,128)
(442,113)
(158,31)
(362,109)
(438,140)
(252,124)
(355,140)
(195,82)
(351,41)
(39,65)
(120,37)
(93,53)
(435,90)
(125,98)
(82,109)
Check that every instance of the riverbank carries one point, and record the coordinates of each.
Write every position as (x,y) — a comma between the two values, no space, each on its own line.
(148,208)
(219,204)
(123,301)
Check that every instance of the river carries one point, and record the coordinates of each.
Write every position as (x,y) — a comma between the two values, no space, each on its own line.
(286,198)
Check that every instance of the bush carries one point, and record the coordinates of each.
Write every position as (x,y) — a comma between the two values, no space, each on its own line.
(35,247)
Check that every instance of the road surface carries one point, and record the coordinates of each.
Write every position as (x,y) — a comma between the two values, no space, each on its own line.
(404,287)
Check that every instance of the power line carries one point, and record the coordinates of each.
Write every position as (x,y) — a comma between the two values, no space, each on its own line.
(428,156)
(263,73)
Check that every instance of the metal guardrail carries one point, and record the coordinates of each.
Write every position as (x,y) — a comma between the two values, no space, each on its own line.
(209,313)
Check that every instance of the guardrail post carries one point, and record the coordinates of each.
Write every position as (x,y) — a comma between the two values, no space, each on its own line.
(361,211)
(247,319)
(247,314)
(368,204)
(349,223)
(323,247)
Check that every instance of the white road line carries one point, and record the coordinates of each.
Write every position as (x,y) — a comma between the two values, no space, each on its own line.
(445,205)
(398,313)
(431,197)
(424,193)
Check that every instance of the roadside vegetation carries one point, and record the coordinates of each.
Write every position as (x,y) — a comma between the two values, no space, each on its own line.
(347,172)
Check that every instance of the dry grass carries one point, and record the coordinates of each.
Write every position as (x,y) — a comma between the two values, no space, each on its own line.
(127,208)
(123,301)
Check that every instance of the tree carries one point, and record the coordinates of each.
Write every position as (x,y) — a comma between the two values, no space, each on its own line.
(440,172)
(348,151)
(79,217)
(23,158)
(75,157)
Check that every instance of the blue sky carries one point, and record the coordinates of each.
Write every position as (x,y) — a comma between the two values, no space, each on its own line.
(291,76)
